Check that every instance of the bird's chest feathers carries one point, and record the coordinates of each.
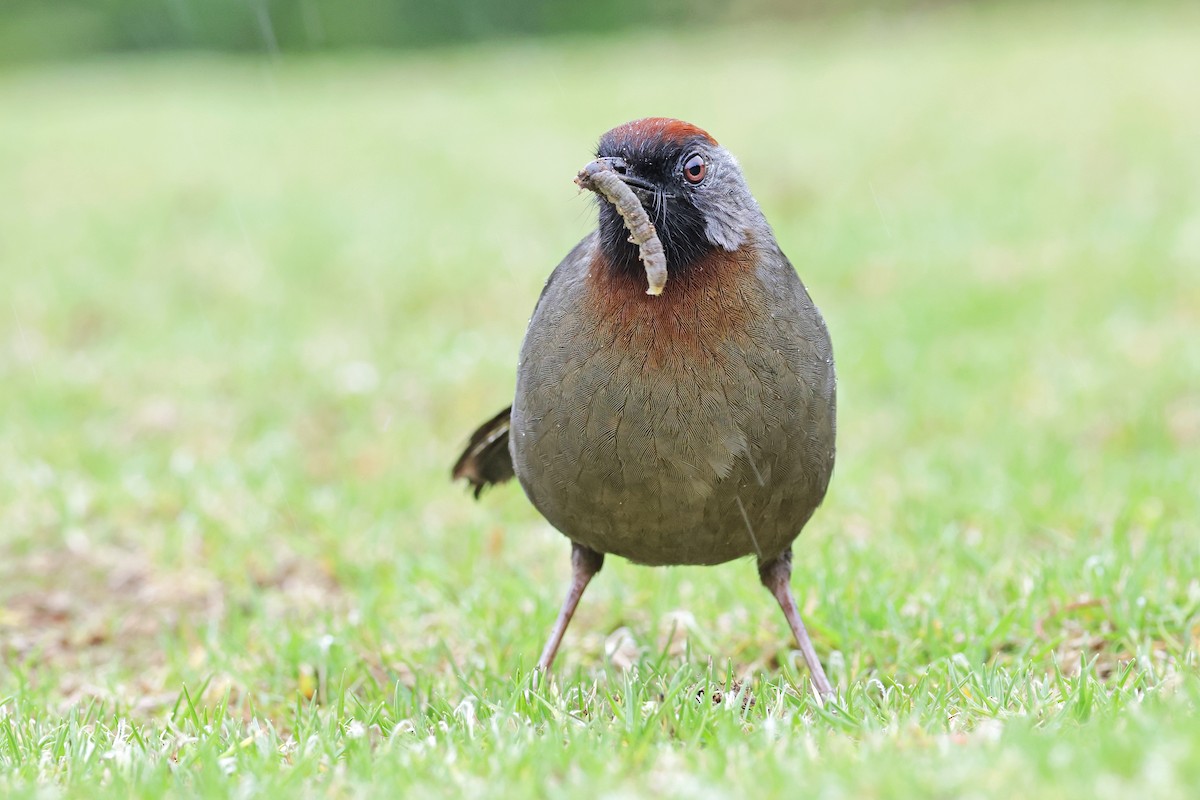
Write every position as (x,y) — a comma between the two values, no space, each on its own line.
(712,305)
(673,390)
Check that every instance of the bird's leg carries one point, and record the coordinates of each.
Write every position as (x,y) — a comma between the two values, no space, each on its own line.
(584,564)
(776,575)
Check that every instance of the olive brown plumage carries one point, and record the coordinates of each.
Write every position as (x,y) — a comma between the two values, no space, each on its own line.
(693,427)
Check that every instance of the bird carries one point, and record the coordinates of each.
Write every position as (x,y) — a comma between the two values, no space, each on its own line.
(695,427)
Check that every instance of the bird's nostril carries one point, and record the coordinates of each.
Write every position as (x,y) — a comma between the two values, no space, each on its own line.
(616,164)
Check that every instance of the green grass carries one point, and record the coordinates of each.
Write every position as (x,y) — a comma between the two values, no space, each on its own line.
(252,310)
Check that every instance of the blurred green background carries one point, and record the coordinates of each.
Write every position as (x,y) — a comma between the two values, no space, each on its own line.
(55,28)
(257,285)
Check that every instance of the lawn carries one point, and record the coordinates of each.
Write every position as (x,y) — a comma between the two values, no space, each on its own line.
(252,309)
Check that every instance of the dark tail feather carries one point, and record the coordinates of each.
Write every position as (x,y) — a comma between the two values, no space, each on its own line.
(486,461)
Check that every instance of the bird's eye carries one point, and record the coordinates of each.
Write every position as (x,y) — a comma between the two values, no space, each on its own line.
(695,168)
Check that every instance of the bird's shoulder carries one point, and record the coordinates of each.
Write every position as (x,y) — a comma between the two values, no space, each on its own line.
(572,268)
(787,298)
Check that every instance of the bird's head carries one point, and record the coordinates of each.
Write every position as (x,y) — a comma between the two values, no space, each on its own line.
(691,188)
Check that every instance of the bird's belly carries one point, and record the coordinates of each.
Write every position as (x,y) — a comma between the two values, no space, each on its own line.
(673,470)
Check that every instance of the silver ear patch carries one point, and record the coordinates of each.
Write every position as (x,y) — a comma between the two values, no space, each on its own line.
(724,232)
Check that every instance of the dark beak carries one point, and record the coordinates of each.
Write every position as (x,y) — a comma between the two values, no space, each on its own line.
(621,167)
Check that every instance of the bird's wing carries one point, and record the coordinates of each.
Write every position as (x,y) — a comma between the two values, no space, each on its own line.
(486,461)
